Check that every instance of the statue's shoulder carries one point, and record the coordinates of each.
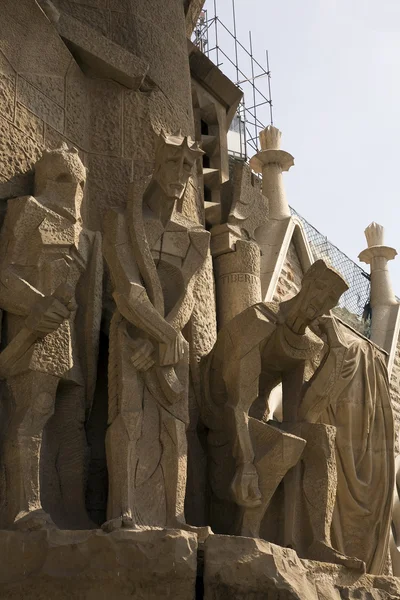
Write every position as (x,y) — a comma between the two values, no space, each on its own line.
(26,211)
(250,327)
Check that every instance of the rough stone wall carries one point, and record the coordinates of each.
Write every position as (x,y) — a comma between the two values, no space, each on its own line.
(46,98)
(289,282)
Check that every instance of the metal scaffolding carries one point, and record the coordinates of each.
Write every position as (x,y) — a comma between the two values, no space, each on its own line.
(221,44)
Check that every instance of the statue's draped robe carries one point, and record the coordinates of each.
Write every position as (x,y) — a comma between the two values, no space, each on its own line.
(360,409)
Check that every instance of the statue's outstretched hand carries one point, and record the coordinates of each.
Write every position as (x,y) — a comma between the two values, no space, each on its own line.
(245,486)
(173,351)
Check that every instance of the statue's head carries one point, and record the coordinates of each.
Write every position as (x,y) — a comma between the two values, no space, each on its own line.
(60,169)
(320,291)
(175,157)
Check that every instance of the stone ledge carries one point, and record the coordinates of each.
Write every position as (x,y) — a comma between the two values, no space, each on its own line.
(241,568)
(99,53)
(93,565)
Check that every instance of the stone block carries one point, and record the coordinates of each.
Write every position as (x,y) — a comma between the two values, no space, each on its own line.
(42,106)
(29,123)
(119,5)
(109,180)
(165,17)
(50,85)
(242,568)
(107,59)
(137,125)
(7,88)
(77,107)
(105,117)
(168,61)
(18,153)
(32,46)
(90,565)
(7,96)
(95,17)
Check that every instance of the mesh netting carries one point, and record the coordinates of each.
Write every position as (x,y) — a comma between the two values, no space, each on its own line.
(354,304)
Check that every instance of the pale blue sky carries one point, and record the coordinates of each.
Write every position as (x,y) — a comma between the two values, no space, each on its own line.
(335,85)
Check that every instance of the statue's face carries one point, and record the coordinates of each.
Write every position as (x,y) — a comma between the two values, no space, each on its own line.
(173,170)
(61,169)
(320,296)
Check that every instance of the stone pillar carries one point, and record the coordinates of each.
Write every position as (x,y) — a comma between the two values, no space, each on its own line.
(237,279)
(377,255)
(271,161)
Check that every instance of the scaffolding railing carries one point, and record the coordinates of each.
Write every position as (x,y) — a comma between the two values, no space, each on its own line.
(220,43)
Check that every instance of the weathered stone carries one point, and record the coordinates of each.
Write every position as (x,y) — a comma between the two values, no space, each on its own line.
(149,359)
(148,564)
(17,154)
(108,186)
(7,88)
(243,568)
(77,107)
(50,358)
(105,118)
(33,47)
(42,106)
(258,348)
(29,123)
(101,54)
(119,5)
(96,17)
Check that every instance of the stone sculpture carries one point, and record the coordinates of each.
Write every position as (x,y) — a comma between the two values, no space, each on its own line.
(153,253)
(350,391)
(50,288)
(264,345)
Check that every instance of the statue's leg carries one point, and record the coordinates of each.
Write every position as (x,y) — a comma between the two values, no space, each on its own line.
(275,453)
(174,465)
(67,431)
(119,449)
(32,397)
(319,488)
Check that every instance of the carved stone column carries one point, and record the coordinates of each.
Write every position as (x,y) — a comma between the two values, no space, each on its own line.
(377,255)
(237,279)
(271,161)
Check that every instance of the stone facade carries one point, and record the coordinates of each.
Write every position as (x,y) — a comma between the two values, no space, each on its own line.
(184,414)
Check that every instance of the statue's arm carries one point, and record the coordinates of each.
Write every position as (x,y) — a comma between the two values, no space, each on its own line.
(318,392)
(129,293)
(241,393)
(242,385)
(193,264)
(17,295)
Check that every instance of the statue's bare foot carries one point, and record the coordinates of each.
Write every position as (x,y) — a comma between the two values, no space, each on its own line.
(33,520)
(324,553)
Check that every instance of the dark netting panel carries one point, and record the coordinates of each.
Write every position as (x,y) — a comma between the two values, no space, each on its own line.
(354,304)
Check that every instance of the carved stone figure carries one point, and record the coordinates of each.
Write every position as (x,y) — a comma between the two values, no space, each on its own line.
(153,253)
(50,288)
(262,346)
(350,391)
